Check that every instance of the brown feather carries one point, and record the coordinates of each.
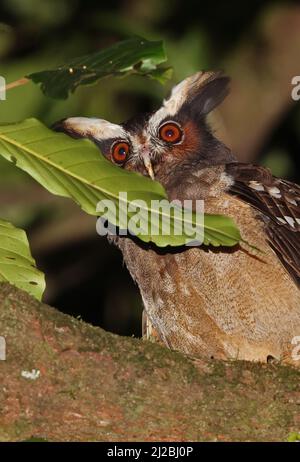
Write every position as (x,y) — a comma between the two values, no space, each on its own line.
(279,203)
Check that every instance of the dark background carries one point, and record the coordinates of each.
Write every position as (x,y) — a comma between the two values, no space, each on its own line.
(257,43)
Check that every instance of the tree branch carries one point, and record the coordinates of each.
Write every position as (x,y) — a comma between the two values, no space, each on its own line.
(66,380)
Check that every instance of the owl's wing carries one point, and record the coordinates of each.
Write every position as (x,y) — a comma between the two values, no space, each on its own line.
(279,203)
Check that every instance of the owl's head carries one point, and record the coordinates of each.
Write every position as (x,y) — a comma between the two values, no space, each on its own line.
(175,134)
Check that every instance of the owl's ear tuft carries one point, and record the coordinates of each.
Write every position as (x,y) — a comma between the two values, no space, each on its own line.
(213,88)
(77,127)
(93,128)
(200,93)
(63,126)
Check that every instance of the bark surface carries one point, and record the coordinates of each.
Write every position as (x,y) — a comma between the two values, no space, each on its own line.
(65,380)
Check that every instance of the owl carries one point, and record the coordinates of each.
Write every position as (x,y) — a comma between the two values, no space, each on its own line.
(226,303)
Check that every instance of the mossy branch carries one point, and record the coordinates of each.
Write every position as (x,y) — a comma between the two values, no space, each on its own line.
(66,380)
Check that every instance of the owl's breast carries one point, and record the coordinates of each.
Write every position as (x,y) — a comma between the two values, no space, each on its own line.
(218,302)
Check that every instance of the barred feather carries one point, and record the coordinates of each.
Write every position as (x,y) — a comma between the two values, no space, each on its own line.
(279,202)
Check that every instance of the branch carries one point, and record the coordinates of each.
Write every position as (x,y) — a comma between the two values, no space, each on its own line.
(66,380)
(17,83)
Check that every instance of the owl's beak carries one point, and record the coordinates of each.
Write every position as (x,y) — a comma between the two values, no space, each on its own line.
(148,165)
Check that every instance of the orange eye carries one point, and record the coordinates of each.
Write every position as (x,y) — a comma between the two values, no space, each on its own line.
(170,132)
(120,152)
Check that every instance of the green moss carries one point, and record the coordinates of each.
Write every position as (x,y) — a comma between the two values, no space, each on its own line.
(142,389)
(294,437)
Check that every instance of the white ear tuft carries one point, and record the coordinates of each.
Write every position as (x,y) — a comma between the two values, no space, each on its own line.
(99,129)
(180,93)
(203,91)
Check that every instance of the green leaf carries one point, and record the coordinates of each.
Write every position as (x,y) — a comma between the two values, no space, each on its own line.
(76,169)
(133,56)
(16,263)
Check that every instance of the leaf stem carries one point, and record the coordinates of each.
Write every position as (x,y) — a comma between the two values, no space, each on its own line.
(17,83)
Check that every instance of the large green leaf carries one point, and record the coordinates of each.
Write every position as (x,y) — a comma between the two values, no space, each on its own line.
(76,169)
(16,263)
(135,55)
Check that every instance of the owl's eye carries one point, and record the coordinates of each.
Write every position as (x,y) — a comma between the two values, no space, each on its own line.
(170,132)
(120,151)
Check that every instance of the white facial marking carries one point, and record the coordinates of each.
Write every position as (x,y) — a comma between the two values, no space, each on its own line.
(256,185)
(290,221)
(281,220)
(97,128)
